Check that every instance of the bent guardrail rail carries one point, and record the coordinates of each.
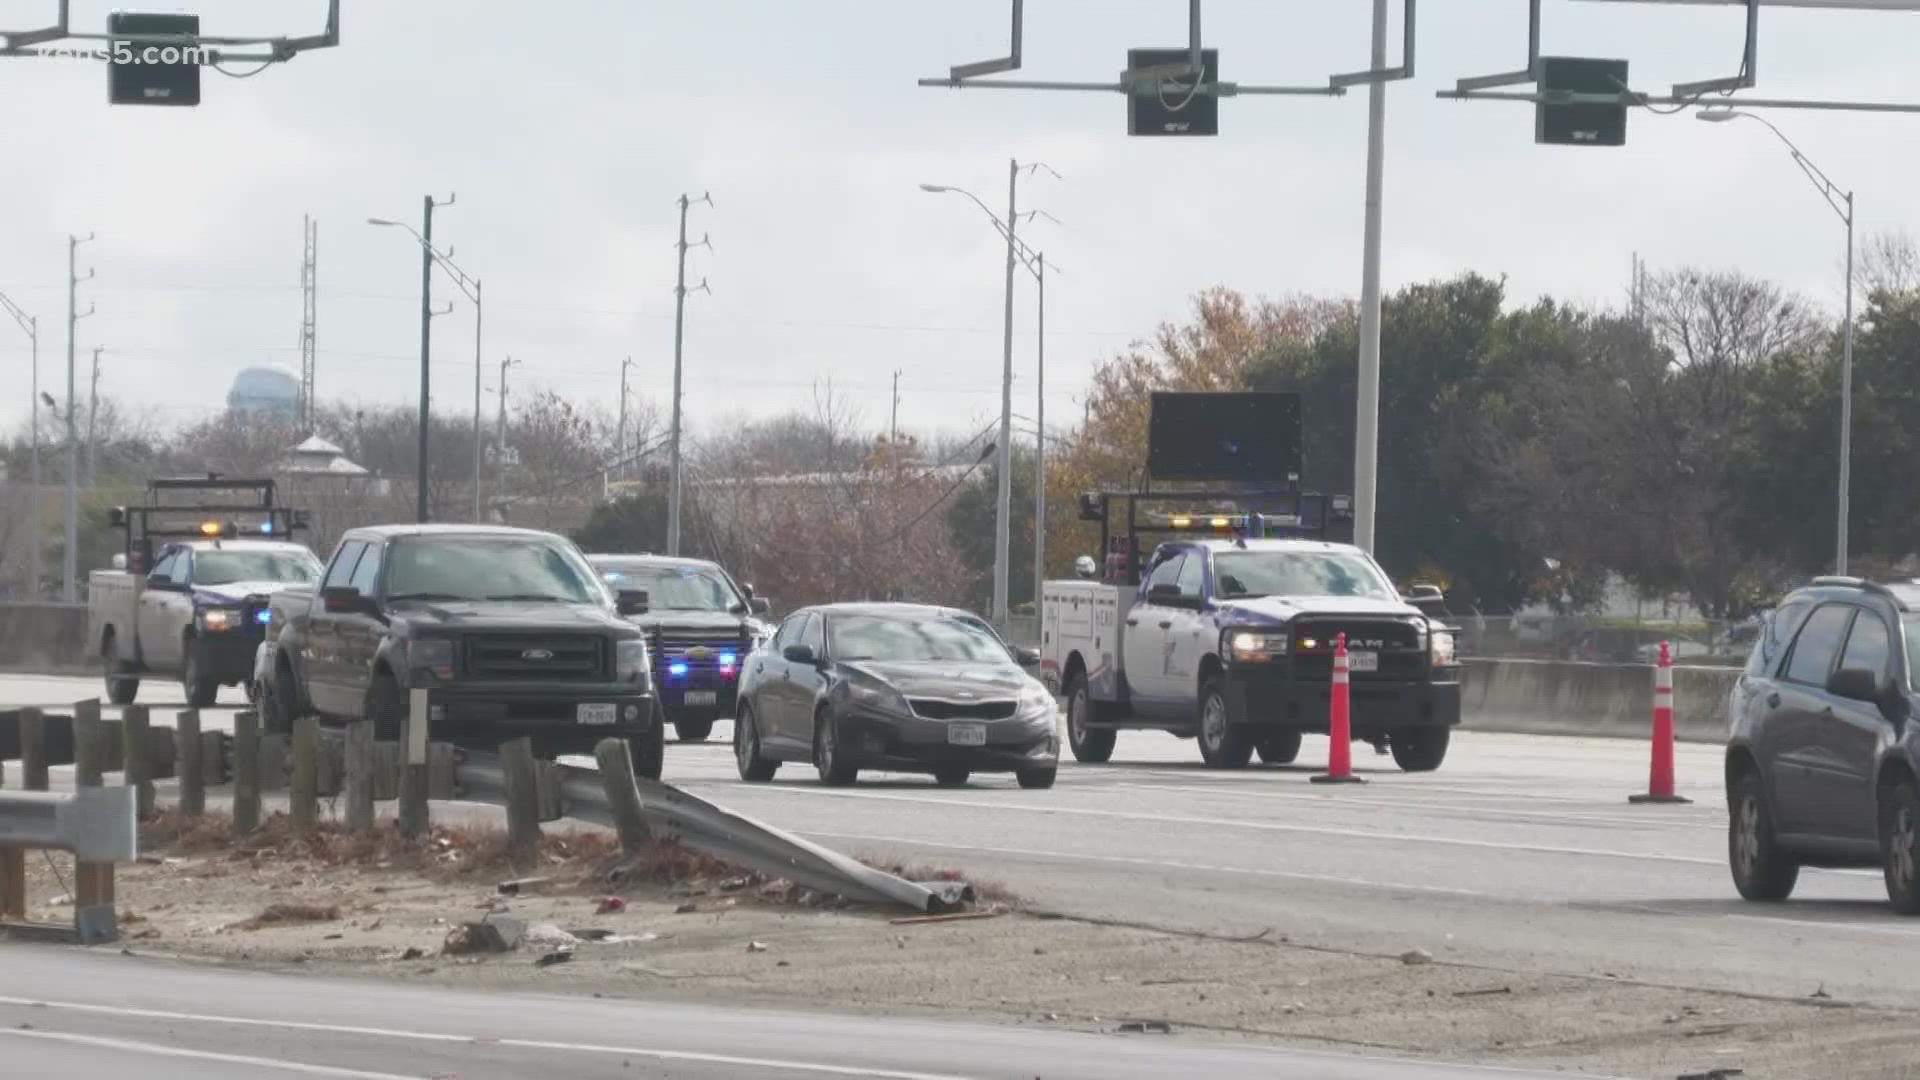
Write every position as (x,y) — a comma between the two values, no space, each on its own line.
(97,825)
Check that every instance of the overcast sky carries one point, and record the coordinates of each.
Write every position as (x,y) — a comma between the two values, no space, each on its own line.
(569,127)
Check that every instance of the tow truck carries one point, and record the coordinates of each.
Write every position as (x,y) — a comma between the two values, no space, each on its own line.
(1225,631)
(188,596)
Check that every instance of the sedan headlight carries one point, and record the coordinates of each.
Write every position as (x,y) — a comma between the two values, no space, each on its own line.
(880,697)
(219,618)
(431,655)
(630,660)
(1253,646)
(1037,698)
(1441,647)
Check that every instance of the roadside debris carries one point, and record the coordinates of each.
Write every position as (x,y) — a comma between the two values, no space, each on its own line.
(957,916)
(520,885)
(490,935)
(609,904)
(1416,956)
(756,946)
(557,956)
(549,936)
(1713,1074)
(283,914)
(1488,992)
(1146,1027)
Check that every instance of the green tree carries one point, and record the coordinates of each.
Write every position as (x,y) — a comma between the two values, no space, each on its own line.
(970,522)
(628,524)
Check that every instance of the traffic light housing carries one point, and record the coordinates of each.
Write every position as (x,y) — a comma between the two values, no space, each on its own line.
(1581,124)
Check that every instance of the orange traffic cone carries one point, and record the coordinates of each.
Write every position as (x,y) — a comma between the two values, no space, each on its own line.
(1660,768)
(1339,724)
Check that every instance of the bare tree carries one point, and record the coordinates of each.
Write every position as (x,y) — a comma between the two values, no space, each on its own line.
(1888,262)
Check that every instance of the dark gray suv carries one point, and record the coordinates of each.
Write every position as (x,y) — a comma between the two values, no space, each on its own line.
(1823,758)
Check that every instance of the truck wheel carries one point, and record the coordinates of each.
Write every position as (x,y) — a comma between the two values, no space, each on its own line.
(1279,748)
(827,757)
(121,688)
(695,730)
(649,751)
(201,692)
(276,717)
(754,768)
(1420,749)
(386,707)
(1761,871)
(1093,746)
(1222,745)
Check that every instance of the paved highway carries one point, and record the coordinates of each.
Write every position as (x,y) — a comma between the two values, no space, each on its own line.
(1522,852)
(68,1013)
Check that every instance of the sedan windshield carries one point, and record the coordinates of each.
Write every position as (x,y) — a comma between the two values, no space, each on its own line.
(675,588)
(488,568)
(911,638)
(229,567)
(1242,574)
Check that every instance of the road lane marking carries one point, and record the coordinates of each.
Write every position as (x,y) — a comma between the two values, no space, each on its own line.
(444,1037)
(1164,864)
(1259,826)
(157,1050)
(1805,924)
(1390,803)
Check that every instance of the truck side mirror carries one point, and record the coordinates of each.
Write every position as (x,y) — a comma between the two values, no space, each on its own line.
(1163,594)
(760,605)
(342,599)
(632,602)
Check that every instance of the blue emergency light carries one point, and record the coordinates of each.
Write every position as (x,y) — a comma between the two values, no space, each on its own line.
(263,616)
(677,669)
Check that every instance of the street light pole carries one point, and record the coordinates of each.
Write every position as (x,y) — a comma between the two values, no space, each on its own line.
(1040,438)
(471,287)
(1003,502)
(479,440)
(500,439)
(680,290)
(1366,428)
(70,557)
(426,351)
(93,416)
(31,325)
(1842,204)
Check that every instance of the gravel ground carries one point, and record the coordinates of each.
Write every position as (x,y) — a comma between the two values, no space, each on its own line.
(699,931)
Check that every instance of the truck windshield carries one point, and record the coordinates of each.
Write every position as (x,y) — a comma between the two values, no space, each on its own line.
(872,637)
(676,588)
(228,567)
(1243,574)
(489,568)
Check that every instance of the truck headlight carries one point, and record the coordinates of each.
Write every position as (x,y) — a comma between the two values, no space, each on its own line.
(432,655)
(630,660)
(217,619)
(1441,648)
(1255,645)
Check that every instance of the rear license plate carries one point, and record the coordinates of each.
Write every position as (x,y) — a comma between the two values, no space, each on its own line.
(1363,661)
(967,734)
(702,697)
(598,714)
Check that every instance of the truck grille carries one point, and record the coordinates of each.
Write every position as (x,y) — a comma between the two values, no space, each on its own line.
(1398,643)
(541,657)
(932,709)
(700,650)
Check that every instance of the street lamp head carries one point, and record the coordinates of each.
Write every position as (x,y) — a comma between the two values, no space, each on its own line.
(1718,116)
(935,188)
(380,221)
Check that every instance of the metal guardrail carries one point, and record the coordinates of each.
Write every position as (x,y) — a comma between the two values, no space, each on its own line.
(717,831)
(96,824)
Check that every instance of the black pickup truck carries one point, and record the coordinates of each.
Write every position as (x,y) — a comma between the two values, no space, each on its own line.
(510,631)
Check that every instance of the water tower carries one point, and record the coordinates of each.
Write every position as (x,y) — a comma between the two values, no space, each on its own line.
(267,390)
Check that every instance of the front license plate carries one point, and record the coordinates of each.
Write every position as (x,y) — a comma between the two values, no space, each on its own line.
(1363,661)
(967,734)
(598,714)
(702,697)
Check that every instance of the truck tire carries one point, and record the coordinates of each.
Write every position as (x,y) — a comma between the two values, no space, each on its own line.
(1090,746)
(276,712)
(386,707)
(755,767)
(122,688)
(1278,748)
(827,759)
(1222,746)
(201,692)
(649,751)
(1420,749)
(694,730)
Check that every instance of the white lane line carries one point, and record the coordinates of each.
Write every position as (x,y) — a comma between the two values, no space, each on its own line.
(518,1044)
(1258,826)
(1464,809)
(157,1050)
(1804,924)
(1161,864)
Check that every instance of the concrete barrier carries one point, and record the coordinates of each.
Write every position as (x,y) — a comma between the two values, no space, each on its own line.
(46,638)
(1553,697)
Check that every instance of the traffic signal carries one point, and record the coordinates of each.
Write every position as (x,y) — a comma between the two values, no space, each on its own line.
(1580,124)
(1175,107)
(145,74)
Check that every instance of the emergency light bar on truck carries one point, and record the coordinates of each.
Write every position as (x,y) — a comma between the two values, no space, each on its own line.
(252,514)
(1246,513)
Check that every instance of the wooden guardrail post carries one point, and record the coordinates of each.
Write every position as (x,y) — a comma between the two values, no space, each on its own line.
(191,762)
(441,757)
(246,772)
(13,883)
(623,795)
(273,762)
(33,749)
(214,751)
(414,782)
(92,882)
(523,797)
(359,770)
(303,794)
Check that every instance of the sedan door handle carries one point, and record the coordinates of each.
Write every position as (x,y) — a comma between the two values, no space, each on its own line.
(1773,701)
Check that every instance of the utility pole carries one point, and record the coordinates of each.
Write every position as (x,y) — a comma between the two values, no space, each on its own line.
(93,416)
(500,437)
(893,427)
(70,557)
(1366,471)
(309,298)
(1003,502)
(620,456)
(679,326)
(1040,435)
(31,324)
(479,440)
(427,203)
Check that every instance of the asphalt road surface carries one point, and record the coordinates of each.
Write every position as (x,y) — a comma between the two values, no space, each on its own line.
(70,1013)
(1521,852)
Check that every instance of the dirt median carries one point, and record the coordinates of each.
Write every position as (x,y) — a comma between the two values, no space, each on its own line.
(686,927)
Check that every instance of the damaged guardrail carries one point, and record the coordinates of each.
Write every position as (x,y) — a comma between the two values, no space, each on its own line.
(96,824)
(703,826)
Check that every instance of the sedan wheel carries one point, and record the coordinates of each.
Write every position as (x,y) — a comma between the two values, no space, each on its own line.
(827,758)
(746,749)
